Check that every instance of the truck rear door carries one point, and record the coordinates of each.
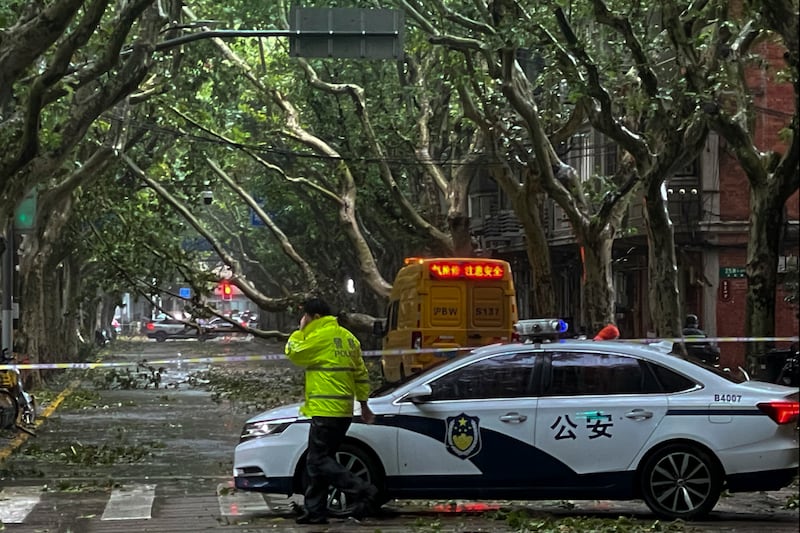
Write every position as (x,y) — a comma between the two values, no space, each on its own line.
(489,319)
(446,315)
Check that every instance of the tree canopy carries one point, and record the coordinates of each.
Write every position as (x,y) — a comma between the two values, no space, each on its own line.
(322,170)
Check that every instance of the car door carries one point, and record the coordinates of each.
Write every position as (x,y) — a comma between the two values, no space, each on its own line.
(595,412)
(479,420)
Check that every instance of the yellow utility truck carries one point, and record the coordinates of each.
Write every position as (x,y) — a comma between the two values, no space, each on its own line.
(441,303)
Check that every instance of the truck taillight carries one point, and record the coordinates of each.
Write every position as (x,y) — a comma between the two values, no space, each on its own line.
(782,412)
(416,339)
(150,326)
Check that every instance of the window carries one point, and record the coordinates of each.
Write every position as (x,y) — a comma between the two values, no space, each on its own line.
(501,376)
(579,156)
(578,374)
(482,204)
(391,320)
(671,381)
(591,153)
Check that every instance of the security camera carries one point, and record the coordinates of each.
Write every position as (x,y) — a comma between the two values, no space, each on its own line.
(208,197)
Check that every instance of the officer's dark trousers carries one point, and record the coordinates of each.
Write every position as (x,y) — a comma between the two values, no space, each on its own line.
(324,439)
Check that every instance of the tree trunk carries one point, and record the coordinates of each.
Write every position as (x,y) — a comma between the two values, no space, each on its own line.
(661,266)
(598,287)
(525,201)
(538,250)
(765,234)
(459,229)
(42,298)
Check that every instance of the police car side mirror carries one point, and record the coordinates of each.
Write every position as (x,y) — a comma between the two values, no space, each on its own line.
(377,328)
(419,394)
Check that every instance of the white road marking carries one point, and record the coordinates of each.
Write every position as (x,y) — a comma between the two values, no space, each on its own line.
(238,502)
(17,502)
(134,502)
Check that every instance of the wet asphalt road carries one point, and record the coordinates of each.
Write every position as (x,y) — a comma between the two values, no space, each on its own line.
(86,456)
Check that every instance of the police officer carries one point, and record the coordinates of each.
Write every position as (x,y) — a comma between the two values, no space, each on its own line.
(335,375)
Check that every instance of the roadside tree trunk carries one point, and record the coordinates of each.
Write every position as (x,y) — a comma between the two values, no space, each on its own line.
(767,216)
(661,266)
(526,206)
(596,241)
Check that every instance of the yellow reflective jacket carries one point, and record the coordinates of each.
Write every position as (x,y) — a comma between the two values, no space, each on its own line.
(335,370)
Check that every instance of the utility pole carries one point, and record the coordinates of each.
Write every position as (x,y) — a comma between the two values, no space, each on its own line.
(24,220)
(7,313)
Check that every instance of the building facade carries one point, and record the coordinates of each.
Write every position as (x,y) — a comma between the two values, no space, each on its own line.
(709,207)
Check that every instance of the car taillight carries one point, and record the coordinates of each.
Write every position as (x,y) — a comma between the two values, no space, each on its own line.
(781,412)
(150,326)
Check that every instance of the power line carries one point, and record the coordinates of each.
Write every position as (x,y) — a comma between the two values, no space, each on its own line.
(586,150)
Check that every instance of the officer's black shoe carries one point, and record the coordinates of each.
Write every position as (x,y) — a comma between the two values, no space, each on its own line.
(365,508)
(306,518)
(297,509)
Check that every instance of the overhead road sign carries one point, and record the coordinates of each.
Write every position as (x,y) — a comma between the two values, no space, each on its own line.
(346,32)
(324,32)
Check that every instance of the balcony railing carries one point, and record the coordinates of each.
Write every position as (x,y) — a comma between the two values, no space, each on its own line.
(502,229)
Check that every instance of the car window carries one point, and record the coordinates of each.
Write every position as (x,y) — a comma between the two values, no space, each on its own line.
(578,374)
(390,386)
(392,315)
(669,380)
(500,376)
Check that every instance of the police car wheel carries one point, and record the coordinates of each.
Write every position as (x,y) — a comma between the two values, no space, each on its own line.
(680,481)
(355,459)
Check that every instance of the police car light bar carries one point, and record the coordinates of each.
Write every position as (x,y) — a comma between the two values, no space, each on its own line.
(540,327)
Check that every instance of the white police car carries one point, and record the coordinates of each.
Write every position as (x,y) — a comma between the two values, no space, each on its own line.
(562,420)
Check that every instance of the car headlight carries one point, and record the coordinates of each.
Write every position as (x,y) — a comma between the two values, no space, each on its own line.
(262,428)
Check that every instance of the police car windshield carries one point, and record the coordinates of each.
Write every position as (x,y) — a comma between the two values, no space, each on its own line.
(388,388)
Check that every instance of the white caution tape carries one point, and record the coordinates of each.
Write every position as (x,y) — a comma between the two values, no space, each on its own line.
(694,340)
(144,362)
(447,352)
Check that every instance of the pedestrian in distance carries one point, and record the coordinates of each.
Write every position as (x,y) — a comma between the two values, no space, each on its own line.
(691,327)
(706,352)
(335,375)
(608,333)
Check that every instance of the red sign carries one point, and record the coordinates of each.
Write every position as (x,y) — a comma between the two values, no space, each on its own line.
(466,270)
(725,290)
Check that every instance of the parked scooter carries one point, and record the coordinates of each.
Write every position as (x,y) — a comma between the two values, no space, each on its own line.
(781,366)
(17,407)
(790,372)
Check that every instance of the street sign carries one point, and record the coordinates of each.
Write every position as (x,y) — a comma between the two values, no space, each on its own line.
(185,292)
(346,32)
(731,272)
(256,220)
(725,290)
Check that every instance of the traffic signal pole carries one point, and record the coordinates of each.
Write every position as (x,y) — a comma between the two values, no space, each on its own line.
(7,313)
